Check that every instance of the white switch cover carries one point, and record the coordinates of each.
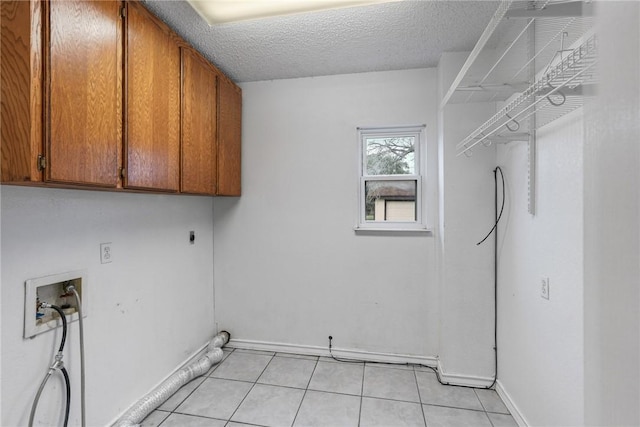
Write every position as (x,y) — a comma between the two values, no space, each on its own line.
(544,290)
(106,253)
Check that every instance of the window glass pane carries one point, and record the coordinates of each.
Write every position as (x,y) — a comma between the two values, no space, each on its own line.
(390,200)
(390,155)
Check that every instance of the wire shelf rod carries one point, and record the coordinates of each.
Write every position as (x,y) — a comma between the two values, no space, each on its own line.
(509,137)
(497,137)
(554,37)
(482,41)
(507,50)
(513,118)
(504,54)
(570,63)
(558,34)
(503,113)
(566,24)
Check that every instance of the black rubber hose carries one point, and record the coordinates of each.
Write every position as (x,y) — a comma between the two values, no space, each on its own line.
(64,326)
(494,230)
(495,267)
(68,385)
(495,226)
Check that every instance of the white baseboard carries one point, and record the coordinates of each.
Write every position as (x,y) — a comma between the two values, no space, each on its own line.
(341,353)
(337,352)
(460,379)
(511,406)
(180,366)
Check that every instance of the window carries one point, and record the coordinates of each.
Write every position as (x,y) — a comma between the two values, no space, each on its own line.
(391,169)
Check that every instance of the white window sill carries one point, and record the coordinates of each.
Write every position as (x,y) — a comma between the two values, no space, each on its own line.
(395,230)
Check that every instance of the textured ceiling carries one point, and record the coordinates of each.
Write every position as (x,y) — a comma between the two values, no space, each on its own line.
(390,36)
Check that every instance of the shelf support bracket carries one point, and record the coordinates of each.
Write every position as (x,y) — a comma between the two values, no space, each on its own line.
(531,144)
(531,169)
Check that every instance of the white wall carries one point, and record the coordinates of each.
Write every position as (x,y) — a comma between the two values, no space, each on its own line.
(466,201)
(612,226)
(541,341)
(289,267)
(575,359)
(1,352)
(149,310)
(467,285)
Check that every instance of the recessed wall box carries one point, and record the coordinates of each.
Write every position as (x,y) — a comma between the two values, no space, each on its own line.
(51,289)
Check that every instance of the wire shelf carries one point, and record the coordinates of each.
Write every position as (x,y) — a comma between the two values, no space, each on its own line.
(555,94)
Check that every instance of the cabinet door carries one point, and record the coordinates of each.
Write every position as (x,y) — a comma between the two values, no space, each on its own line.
(198,125)
(229,138)
(153,103)
(21,90)
(85,92)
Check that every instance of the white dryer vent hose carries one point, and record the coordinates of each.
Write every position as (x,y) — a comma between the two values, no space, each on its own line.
(146,405)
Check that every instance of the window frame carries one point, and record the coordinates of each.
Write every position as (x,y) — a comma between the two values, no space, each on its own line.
(418,132)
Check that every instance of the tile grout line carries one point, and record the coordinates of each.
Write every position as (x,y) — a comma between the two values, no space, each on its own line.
(361,393)
(194,416)
(388,399)
(245,424)
(339,393)
(457,407)
(488,411)
(490,421)
(424,417)
(251,389)
(483,407)
(161,422)
(305,393)
(298,357)
(480,400)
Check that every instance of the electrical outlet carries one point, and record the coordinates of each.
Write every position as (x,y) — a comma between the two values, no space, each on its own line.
(544,289)
(106,253)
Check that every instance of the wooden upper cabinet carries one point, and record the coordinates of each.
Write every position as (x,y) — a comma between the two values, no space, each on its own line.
(102,94)
(84,103)
(61,92)
(229,138)
(21,90)
(152,143)
(199,114)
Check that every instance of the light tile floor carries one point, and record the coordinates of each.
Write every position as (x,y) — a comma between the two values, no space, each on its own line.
(251,388)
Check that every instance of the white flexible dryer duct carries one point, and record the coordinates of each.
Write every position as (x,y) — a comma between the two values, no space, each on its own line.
(155,398)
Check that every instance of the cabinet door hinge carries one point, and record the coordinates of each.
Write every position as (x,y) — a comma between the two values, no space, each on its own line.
(42,162)
(123,12)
